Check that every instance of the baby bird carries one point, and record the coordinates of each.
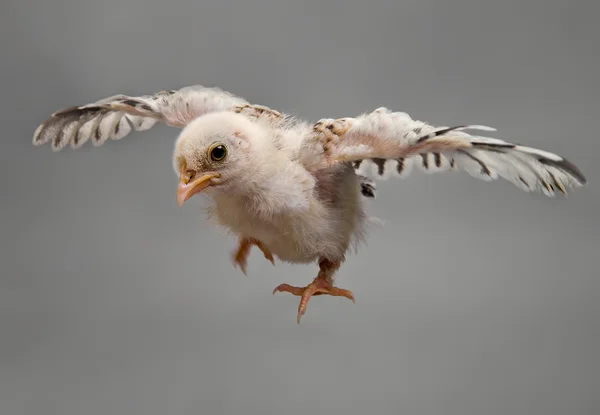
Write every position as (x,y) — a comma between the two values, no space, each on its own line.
(295,189)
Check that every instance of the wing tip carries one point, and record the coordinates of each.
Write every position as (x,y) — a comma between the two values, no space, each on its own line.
(38,138)
(566,166)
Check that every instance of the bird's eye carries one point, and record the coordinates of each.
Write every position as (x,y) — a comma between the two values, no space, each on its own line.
(218,152)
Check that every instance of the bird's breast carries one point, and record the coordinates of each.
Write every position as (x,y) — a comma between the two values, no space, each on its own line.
(299,218)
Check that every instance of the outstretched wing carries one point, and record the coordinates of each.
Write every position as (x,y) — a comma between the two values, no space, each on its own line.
(116,116)
(388,142)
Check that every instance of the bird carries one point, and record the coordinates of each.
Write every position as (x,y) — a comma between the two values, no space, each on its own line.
(298,190)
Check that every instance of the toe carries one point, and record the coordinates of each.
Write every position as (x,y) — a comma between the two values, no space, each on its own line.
(280,288)
(339,292)
(286,288)
(306,294)
(240,263)
(313,289)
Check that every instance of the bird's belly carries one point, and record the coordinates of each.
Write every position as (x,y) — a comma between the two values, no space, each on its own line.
(291,238)
(288,250)
(297,243)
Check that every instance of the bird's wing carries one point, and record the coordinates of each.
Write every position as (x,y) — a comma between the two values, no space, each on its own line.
(393,143)
(116,116)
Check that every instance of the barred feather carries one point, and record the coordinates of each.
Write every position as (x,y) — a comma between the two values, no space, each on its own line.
(367,186)
(117,116)
(383,144)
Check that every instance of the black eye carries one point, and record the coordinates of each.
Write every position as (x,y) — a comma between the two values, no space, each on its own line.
(218,153)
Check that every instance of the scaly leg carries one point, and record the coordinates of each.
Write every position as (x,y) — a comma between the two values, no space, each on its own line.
(323,284)
(240,256)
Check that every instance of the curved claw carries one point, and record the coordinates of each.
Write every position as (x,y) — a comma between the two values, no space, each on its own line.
(239,259)
(269,257)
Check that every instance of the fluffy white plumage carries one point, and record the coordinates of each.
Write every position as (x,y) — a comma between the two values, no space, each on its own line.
(293,188)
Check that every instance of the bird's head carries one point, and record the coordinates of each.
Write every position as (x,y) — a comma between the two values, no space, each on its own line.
(217,152)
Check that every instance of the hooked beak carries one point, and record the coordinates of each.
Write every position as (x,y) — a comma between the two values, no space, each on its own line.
(187,188)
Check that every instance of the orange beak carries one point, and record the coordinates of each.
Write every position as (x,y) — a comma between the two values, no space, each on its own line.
(187,188)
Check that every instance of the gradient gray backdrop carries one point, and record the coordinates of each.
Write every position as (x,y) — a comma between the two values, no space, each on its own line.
(475,298)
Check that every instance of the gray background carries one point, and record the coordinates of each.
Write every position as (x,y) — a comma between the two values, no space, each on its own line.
(475,298)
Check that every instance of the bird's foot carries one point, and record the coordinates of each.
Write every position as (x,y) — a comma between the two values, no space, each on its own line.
(240,256)
(320,285)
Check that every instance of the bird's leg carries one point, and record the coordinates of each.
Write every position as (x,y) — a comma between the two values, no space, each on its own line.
(240,256)
(323,284)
